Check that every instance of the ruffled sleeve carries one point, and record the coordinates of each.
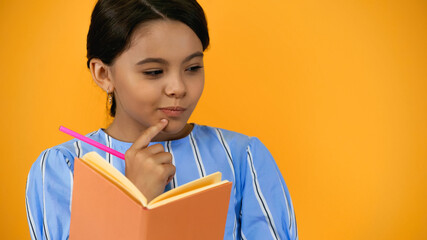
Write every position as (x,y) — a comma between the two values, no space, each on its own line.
(48,195)
(266,209)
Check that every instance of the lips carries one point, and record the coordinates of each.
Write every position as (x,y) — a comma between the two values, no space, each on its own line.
(174,111)
(176,108)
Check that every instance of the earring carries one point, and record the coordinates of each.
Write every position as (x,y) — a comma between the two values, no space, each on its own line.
(110,96)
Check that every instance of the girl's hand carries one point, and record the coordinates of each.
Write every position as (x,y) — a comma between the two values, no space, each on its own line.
(149,168)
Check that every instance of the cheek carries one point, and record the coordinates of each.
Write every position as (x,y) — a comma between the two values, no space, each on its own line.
(142,96)
(137,96)
(197,89)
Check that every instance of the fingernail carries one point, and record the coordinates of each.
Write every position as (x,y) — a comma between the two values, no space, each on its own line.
(164,120)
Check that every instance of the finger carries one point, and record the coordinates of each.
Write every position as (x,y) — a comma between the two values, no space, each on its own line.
(169,179)
(169,171)
(154,149)
(163,158)
(145,138)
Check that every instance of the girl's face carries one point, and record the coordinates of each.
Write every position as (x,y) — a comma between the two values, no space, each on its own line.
(160,76)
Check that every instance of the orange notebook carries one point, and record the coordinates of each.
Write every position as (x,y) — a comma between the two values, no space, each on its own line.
(106,205)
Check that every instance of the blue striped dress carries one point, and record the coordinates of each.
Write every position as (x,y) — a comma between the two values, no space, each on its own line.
(260,205)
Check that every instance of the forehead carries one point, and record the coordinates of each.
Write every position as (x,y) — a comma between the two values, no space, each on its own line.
(168,39)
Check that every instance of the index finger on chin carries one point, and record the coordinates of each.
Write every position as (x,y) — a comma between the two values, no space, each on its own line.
(145,138)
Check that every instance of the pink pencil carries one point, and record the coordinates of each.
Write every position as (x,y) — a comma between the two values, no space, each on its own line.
(92,142)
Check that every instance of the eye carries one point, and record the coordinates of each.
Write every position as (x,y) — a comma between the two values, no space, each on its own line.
(153,73)
(194,68)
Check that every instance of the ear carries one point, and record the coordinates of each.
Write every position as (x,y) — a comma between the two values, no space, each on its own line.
(101,74)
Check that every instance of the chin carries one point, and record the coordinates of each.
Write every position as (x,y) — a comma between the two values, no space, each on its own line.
(174,127)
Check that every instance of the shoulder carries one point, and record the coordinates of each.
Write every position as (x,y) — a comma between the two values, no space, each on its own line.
(233,140)
(65,152)
(230,137)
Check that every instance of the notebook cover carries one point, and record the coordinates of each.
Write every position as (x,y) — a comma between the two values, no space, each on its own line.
(101,210)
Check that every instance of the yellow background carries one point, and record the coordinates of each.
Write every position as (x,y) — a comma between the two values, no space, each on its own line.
(337,90)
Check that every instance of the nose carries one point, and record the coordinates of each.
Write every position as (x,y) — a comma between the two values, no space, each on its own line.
(175,86)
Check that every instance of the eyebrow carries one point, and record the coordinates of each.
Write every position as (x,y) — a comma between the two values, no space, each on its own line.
(163,61)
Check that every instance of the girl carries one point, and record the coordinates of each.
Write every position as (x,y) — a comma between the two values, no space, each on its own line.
(148,57)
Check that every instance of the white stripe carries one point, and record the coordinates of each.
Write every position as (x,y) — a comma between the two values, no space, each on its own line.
(287,205)
(78,149)
(45,227)
(30,219)
(28,210)
(93,133)
(79,144)
(291,213)
(260,197)
(68,162)
(197,156)
(108,155)
(230,163)
(242,235)
(296,231)
(295,224)
(235,225)
(108,145)
(71,180)
(169,148)
(71,187)
(43,157)
(227,151)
